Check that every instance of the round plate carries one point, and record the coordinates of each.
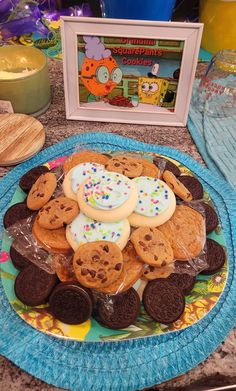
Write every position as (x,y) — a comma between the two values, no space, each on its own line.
(199,302)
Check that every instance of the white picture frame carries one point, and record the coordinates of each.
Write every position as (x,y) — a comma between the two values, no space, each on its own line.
(189,35)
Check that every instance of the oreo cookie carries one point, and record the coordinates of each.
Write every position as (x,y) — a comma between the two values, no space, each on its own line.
(30,177)
(193,185)
(118,311)
(70,303)
(215,257)
(183,281)
(16,213)
(33,285)
(18,260)
(165,164)
(210,217)
(163,301)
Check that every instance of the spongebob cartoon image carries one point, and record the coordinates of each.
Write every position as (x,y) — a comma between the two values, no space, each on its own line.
(100,73)
(152,90)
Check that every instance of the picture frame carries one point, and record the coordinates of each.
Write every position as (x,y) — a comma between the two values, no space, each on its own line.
(129,71)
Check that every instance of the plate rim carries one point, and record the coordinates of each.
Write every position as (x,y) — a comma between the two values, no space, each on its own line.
(110,337)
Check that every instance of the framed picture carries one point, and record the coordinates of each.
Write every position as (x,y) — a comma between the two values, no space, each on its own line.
(129,71)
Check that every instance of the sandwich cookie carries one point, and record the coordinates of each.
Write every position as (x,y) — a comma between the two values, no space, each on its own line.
(31,176)
(77,175)
(163,301)
(70,303)
(107,197)
(16,214)
(156,203)
(165,164)
(83,230)
(33,285)
(118,311)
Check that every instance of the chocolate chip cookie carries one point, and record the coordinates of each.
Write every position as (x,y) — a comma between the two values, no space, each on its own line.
(57,213)
(98,264)
(152,246)
(41,191)
(131,272)
(152,272)
(186,232)
(126,165)
(52,240)
(83,157)
(62,264)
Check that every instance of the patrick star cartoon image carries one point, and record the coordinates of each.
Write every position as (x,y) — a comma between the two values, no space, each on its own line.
(100,73)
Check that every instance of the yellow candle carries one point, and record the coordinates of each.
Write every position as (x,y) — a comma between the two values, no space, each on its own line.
(24,79)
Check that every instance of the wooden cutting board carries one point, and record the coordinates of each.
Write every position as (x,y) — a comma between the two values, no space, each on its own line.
(21,136)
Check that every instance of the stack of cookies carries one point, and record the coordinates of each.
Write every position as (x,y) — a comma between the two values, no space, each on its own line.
(117,222)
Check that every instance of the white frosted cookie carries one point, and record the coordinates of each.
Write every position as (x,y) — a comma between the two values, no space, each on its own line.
(156,203)
(77,175)
(83,230)
(107,197)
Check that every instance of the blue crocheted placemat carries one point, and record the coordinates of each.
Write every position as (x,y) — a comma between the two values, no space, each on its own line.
(127,365)
(216,141)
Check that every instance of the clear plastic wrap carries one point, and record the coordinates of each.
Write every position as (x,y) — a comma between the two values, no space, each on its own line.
(24,242)
(28,246)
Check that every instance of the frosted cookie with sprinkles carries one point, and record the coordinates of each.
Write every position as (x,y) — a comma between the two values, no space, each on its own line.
(77,175)
(83,230)
(156,203)
(107,197)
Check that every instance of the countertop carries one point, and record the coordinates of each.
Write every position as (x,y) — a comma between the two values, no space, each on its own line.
(220,368)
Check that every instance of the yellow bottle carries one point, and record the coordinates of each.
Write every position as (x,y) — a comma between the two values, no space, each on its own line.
(219,18)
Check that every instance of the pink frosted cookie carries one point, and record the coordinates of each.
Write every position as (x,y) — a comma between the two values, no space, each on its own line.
(77,175)
(156,203)
(107,197)
(83,230)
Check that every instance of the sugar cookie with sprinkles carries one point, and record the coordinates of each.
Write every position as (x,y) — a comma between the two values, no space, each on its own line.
(83,230)
(77,175)
(156,203)
(107,197)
